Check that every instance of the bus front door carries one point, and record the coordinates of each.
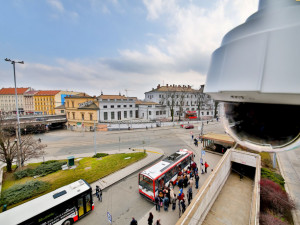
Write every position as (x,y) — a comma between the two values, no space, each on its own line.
(84,204)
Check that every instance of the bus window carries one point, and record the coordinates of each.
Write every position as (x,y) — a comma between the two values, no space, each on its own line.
(168,176)
(146,183)
(156,185)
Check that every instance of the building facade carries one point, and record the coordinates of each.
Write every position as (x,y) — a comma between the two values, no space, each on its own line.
(8,100)
(183,100)
(116,108)
(151,111)
(29,102)
(82,112)
(44,102)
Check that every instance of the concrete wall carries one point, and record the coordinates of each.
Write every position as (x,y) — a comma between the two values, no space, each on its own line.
(202,202)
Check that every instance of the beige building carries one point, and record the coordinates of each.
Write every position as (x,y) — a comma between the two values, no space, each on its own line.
(8,100)
(82,112)
(29,102)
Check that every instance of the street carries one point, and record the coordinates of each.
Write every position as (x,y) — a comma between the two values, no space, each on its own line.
(122,200)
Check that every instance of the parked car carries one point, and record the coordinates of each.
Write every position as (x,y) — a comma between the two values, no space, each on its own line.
(189,127)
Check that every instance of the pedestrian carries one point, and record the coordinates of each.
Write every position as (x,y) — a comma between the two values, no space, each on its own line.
(180,182)
(185,181)
(133,221)
(206,166)
(157,203)
(190,195)
(174,202)
(192,136)
(99,193)
(197,180)
(166,203)
(158,222)
(150,219)
(191,182)
(183,206)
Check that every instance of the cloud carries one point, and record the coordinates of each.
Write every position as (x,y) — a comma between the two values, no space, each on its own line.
(57,5)
(180,56)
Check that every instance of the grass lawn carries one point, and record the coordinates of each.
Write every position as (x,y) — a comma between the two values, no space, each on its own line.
(89,169)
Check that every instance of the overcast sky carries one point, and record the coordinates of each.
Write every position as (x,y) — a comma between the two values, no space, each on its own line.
(113,45)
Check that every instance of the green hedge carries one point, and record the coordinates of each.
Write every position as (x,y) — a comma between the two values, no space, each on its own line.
(42,170)
(20,192)
(277,178)
(99,155)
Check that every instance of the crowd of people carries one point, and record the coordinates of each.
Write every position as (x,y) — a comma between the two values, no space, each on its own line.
(186,180)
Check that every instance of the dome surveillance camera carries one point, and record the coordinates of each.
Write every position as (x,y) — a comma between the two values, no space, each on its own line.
(256,74)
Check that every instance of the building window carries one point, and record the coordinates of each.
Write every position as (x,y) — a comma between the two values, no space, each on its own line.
(125,106)
(149,112)
(67,103)
(130,106)
(105,106)
(73,115)
(202,113)
(157,113)
(62,111)
(125,114)
(112,115)
(119,106)
(82,116)
(72,104)
(112,106)
(105,115)
(207,113)
(68,115)
(130,113)
(91,116)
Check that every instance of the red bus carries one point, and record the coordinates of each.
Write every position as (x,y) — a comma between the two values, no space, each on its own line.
(163,172)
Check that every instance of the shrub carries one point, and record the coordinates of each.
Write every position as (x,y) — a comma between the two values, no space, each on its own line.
(274,198)
(267,219)
(41,170)
(23,173)
(99,155)
(45,169)
(50,161)
(20,192)
(277,178)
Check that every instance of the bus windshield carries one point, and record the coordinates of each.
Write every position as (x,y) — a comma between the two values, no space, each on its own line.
(146,183)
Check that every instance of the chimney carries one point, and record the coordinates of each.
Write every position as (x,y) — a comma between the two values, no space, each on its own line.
(152,89)
(179,85)
(167,85)
(158,86)
(101,92)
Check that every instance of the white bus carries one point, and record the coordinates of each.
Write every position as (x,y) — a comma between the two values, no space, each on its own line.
(63,206)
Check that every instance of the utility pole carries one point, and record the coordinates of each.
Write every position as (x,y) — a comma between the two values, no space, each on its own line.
(18,133)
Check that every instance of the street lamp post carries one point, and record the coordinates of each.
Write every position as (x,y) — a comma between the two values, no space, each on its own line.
(17,108)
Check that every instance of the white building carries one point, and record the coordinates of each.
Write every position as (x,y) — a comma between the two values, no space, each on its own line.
(151,110)
(8,100)
(185,101)
(116,108)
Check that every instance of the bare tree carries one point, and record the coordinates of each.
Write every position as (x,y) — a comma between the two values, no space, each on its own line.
(31,148)
(182,98)
(169,99)
(201,101)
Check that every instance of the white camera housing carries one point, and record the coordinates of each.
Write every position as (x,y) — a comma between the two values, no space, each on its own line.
(256,73)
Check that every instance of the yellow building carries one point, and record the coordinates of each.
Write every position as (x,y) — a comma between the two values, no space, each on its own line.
(44,102)
(82,112)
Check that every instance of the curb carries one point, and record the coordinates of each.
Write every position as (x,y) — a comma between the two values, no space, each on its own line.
(145,165)
(295,218)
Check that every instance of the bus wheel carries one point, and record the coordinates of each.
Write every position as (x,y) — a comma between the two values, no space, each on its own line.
(68,222)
